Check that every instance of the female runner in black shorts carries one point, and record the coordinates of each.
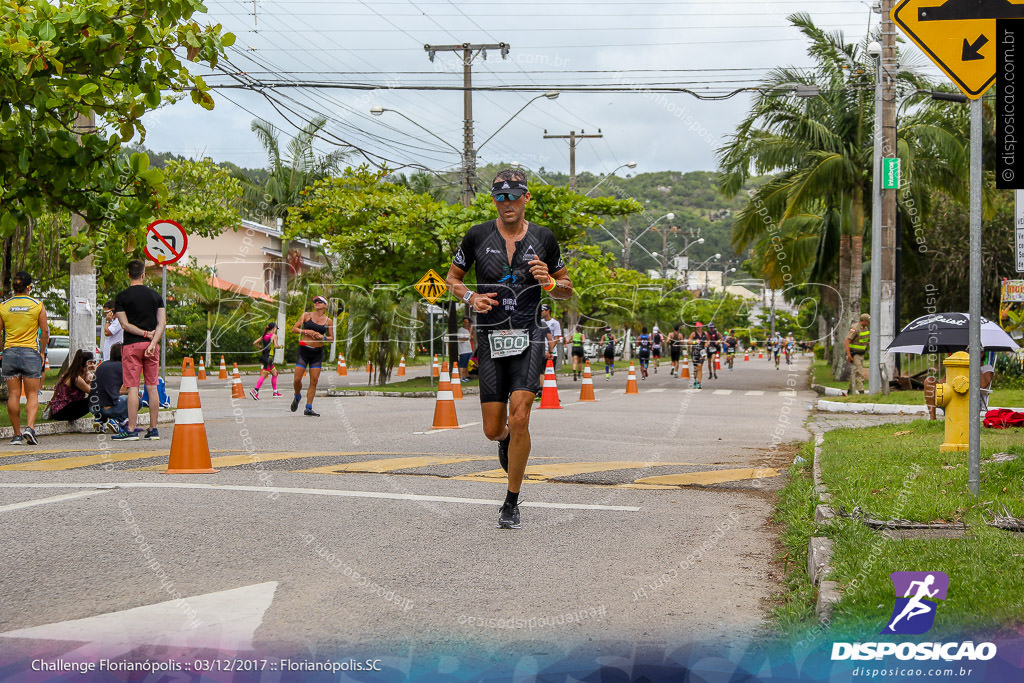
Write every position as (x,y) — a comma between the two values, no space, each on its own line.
(313,329)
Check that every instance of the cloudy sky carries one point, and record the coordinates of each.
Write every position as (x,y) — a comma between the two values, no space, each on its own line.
(709,47)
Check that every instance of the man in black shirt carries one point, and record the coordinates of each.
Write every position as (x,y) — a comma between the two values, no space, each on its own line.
(515,260)
(141,313)
(107,400)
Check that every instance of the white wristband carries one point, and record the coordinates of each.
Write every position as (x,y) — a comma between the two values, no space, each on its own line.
(467,296)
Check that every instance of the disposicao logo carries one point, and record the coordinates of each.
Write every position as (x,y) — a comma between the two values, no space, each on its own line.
(917,596)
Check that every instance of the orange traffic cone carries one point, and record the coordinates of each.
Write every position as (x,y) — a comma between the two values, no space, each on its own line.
(718,361)
(342,368)
(223,369)
(760,353)
(401,368)
(444,409)
(587,388)
(369,368)
(684,372)
(746,356)
(434,372)
(456,383)
(202,369)
(190,451)
(236,383)
(631,387)
(46,365)
(549,393)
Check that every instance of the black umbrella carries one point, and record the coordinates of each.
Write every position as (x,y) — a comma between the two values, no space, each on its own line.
(946,333)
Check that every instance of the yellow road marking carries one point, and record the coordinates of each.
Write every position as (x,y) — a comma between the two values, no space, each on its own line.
(709,477)
(82,461)
(568,469)
(33,451)
(249,459)
(391,464)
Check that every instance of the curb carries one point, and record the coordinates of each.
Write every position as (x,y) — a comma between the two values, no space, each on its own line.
(870,408)
(80,426)
(819,551)
(827,391)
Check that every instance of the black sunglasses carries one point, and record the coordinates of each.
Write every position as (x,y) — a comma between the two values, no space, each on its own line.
(508,196)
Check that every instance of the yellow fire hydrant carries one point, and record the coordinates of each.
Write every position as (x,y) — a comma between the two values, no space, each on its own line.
(952,397)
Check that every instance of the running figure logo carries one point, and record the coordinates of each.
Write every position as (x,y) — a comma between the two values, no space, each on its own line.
(916,596)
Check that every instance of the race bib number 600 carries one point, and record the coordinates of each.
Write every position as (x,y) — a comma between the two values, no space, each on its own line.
(506,343)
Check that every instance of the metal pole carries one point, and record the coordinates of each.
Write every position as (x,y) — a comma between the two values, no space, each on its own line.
(430,314)
(874,344)
(163,336)
(974,398)
(572,161)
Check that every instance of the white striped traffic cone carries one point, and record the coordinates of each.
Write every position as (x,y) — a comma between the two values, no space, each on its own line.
(190,450)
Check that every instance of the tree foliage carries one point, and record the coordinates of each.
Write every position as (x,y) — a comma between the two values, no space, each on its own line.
(67,60)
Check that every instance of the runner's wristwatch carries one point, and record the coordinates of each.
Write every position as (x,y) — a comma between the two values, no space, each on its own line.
(467,296)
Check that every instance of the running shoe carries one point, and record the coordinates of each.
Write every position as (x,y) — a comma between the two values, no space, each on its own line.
(508,517)
(255,394)
(277,393)
(295,402)
(125,435)
(503,452)
(152,435)
(30,436)
(310,412)
(17,441)
(165,404)
(655,369)
(113,425)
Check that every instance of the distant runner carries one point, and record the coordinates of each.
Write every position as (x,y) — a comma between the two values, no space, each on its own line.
(676,341)
(608,344)
(578,340)
(267,343)
(643,351)
(698,349)
(656,341)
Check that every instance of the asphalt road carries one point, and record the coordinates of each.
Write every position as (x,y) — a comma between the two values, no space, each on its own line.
(645,521)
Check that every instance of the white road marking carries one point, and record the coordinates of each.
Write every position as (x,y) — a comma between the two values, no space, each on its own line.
(435,431)
(722,392)
(753,393)
(47,501)
(654,391)
(324,492)
(226,620)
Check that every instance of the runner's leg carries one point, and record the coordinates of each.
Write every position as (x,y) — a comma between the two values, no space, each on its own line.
(14,403)
(519,405)
(314,377)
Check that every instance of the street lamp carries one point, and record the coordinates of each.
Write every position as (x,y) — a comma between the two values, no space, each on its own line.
(378,110)
(550,94)
(628,164)
(703,263)
(626,248)
(468,154)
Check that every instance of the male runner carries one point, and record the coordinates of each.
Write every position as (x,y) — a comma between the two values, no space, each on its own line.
(698,348)
(713,346)
(578,352)
(775,348)
(656,340)
(643,351)
(608,344)
(675,348)
(730,342)
(515,260)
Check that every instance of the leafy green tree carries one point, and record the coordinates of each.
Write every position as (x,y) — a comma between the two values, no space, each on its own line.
(378,325)
(807,223)
(65,61)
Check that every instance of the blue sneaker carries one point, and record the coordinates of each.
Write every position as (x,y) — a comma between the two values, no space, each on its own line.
(152,435)
(125,435)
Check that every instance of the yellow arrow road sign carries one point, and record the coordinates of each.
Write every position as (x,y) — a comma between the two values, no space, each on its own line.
(958,35)
(431,286)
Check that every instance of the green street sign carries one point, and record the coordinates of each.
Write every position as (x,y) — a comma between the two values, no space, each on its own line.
(890,173)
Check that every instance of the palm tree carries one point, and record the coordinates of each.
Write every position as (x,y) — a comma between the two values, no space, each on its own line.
(289,175)
(807,222)
(378,321)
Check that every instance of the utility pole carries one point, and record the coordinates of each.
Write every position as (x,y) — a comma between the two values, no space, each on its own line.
(469,52)
(625,246)
(82,284)
(886,325)
(572,137)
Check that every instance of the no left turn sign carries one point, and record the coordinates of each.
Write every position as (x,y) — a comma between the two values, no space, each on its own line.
(166,242)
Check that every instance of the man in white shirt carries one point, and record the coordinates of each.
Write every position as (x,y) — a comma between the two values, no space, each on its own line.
(467,345)
(112,332)
(555,328)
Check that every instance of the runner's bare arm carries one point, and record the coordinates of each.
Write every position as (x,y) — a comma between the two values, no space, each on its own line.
(44,330)
(298,325)
(330,330)
(481,302)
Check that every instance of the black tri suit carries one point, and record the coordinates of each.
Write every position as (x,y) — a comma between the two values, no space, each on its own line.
(517,307)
